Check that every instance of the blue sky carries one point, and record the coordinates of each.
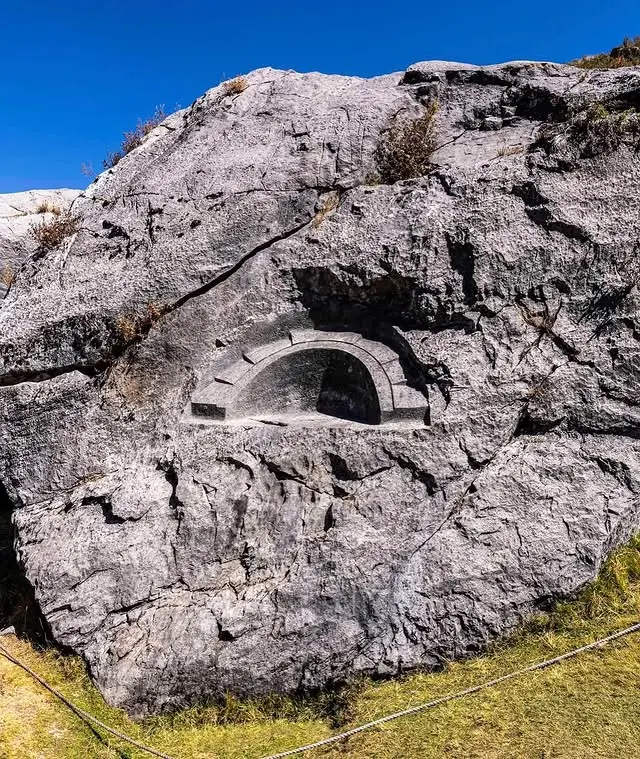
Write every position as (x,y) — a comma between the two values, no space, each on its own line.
(74,74)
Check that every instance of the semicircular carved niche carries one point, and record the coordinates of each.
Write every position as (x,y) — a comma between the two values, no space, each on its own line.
(314,377)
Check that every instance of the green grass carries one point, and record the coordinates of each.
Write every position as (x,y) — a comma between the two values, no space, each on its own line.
(585,708)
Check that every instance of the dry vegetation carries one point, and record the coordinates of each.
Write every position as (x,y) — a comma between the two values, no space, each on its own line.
(585,708)
(405,150)
(235,86)
(591,131)
(45,206)
(132,140)
(507,150)
(131,326)
(7,275)
(626,54)
(329,204)
(50,234)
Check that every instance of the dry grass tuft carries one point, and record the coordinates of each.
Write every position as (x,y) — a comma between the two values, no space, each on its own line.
(50,234)
(7,275)
(132,140)
(405,150)
(132,326)
(45,206)
(507,150)
(329,204)
(128,327)
(626,54)
(235,86)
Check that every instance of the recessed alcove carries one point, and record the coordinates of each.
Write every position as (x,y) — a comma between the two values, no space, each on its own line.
(323,381)
(311,377)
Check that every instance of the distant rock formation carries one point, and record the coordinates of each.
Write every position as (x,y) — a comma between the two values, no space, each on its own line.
(269,421)
(18,211)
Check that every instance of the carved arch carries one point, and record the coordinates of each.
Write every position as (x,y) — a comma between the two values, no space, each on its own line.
(326,374)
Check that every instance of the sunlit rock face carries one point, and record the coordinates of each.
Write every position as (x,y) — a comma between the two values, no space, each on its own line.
(269,422)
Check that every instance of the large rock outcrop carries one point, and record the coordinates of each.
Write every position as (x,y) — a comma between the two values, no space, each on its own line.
(268,422)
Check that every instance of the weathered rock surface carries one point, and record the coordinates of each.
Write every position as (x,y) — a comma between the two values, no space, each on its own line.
(18,211)
(415,406)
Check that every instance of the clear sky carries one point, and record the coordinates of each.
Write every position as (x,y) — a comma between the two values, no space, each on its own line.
(74,74)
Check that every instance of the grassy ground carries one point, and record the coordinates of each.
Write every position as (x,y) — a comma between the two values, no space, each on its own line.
(585,708)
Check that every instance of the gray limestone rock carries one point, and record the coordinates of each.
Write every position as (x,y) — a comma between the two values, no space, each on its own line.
(268,423)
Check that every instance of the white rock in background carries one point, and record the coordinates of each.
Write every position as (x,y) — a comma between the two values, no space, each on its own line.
(18,210)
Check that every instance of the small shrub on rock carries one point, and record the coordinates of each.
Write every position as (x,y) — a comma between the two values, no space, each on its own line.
(591,131)
(132,140)
(50,234)
(235,86)
(329,203)
(7,275)
(626,54)
(405,150)
(131,327)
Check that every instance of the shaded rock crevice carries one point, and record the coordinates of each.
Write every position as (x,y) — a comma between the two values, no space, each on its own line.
(18,606)
(538,210)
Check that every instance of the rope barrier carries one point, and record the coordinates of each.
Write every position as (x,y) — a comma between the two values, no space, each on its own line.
(453,696)
(77,710)
(348,733)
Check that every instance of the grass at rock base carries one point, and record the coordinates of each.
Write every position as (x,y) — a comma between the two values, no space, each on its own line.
(584,708)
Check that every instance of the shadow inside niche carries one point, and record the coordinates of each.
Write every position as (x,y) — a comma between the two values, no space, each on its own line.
(357,296)
(18,606)
(377,305)
(348,392)
(380,307)
(320,381)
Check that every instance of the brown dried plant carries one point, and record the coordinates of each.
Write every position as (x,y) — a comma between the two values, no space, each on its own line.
(235,86)
(131,326)
(50,234)
(132,140)
(405,150)
(45,206)
(626,54)
(7,275)
(329,204)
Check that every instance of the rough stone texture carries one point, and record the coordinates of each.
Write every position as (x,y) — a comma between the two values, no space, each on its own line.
(186,556)
(18,211)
